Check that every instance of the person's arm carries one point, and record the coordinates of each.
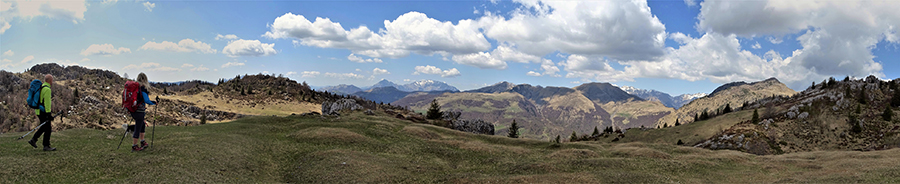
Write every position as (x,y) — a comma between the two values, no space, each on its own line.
(147,98)
(46,97)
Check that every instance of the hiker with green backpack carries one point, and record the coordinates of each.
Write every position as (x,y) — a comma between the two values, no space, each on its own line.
(40,99)
(134,99)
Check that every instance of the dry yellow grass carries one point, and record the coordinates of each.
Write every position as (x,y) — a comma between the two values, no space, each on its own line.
(632,108)
(265,108)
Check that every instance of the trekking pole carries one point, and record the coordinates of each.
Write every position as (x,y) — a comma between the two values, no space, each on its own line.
(155,121)
(125,127)
(39,126)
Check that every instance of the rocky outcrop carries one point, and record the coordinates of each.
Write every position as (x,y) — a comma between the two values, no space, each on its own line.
(334,108)
(211,115)
(473,126)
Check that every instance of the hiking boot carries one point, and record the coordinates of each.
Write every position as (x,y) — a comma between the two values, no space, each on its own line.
(144,144)
(33,143)
(136,148)
(48,148)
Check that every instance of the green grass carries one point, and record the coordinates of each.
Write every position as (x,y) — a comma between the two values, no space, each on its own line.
(377,149)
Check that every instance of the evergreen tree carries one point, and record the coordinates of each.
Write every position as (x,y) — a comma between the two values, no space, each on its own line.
(677,123)
(813,85)
(596,132)
(574,137)
(846,78)
(434,112)
(242,92)
(514,130)
(895,100)
(75,93)
(557,139)
(888,114)
(203,119)
(679,142)
(862,96)
(704,116)
(696,118)
(858,109)
(727,109)
(755,117)
(854,124)
(665,125)
(165,91)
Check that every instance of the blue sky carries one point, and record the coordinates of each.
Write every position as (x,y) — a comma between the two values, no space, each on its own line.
(671,46)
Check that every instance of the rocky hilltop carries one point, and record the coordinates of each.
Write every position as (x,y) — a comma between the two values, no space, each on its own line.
(733,95)
(832,115)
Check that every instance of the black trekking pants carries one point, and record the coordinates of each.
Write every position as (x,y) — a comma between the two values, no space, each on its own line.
(45,130)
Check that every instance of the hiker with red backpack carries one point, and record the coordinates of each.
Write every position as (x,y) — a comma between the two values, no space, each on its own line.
(39,98)
(134,99)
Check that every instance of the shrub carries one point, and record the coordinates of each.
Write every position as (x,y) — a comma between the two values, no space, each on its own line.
(514,130)
(755,117)
(434,112)
(679,142)
(574,137)
(888,114)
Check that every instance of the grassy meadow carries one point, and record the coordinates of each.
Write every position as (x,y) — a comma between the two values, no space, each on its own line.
(357,148)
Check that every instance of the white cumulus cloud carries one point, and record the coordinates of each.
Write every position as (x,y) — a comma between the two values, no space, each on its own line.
(226,37)
(149,6)
(482,60)
(104,49)
(185,45)
(432,70)
(25,10)
(9,53)
(243,47)
(358,59)
(230,64)
(379,71)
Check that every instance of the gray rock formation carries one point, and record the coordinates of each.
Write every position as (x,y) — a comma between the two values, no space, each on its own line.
(334,108)
(473,126)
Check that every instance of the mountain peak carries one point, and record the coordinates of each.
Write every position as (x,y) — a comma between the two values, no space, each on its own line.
(604,92)
(495,88)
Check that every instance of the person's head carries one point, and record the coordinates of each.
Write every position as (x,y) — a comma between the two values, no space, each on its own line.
(142,78)
(48,79)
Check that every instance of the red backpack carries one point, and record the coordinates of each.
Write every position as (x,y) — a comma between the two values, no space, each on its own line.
(130,96)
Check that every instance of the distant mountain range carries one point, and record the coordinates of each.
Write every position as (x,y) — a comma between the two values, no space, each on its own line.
(422,85)
(666,99)
(545,112)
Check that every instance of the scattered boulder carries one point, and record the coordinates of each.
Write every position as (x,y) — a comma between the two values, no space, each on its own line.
(473,126)
(803,115)
(369,112)
(334,108)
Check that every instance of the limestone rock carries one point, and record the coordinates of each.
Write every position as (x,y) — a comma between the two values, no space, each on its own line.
(334,108)
(473,126)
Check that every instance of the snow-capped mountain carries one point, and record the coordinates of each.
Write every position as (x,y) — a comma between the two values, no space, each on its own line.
(341,89)
(428,85)
(664,98)
(422,85)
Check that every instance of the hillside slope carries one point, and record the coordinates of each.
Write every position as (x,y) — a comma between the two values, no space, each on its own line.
(378,149)
(732,94)
(837,115)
